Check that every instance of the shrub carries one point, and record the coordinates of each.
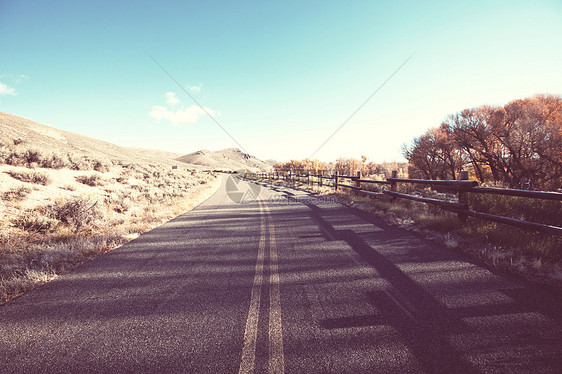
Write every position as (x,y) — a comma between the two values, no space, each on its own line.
(15,154)
(90,180)
(76,213)
(16,193)
(31,177)
(34,221)
(120,201)
(32,156)
(24,157)
(78,163)
(54,161)
(102,166)
(15,158)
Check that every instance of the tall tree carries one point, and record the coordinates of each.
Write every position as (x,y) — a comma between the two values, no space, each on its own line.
(519,144)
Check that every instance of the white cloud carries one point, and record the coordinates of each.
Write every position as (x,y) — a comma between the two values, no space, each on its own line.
(176,113)
(184,115)
(5,90)
(172,99)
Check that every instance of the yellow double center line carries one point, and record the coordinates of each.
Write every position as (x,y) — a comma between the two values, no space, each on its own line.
(276,362)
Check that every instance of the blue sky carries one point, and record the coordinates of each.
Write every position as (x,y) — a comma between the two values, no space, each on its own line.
(280,77)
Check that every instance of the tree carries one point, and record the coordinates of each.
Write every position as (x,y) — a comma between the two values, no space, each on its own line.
(519,144)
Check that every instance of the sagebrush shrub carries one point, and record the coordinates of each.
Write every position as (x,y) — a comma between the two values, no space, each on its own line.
(120,201)
(93,180)
(35,221)
(54,161)
(76,213)
(77,163)
(31,177)
(102,166)
(32,156)
(16,193)
(14,158)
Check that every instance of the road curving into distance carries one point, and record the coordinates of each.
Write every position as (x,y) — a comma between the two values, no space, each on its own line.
(271,280)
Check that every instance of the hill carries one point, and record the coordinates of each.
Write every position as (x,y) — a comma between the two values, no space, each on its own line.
(226,159)
(43,137)
(50,139)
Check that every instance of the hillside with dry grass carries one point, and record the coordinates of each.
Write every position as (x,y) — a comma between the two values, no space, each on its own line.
(63,144)
(65,198)
(230,159)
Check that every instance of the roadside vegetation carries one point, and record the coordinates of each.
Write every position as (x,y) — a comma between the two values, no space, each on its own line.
(518,145)
(59,210)
(533,255)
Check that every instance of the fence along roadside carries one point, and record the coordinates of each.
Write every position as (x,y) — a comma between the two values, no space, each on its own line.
(462,187)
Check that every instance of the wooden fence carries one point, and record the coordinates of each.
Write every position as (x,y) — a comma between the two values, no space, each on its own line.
(461,187)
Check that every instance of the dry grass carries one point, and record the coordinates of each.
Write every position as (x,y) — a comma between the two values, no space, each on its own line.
(493,235)
(52,227)
(30,144)
(66,198)
(18,153)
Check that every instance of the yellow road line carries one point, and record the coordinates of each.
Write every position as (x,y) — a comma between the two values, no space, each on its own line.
(251,332)
(276,357)
(276,362)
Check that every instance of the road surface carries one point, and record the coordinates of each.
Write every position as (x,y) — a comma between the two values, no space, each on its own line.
(275,280)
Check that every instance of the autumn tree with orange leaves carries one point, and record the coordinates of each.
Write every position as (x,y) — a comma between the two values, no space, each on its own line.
(518,145)
(344,166)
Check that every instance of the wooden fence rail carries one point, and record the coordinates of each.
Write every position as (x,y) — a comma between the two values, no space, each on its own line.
(462,187)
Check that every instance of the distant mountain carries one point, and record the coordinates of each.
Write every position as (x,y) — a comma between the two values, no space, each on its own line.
(227,159)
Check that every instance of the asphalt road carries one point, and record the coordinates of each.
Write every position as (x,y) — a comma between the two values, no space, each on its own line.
(275,280)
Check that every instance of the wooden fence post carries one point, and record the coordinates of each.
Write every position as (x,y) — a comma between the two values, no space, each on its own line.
(463,197)
(336,187)
(358,183)
(393,183)
(320,180)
